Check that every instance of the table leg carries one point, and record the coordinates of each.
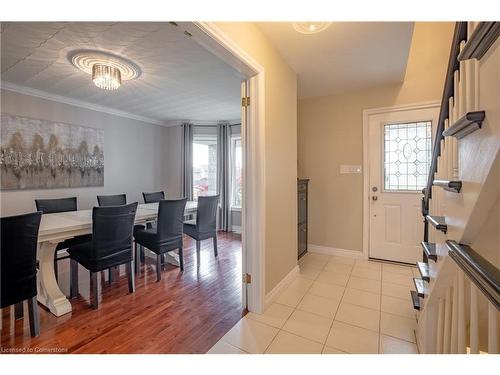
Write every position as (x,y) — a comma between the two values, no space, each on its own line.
(49,293)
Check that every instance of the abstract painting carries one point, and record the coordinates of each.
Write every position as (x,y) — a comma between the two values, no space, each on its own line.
(41,154)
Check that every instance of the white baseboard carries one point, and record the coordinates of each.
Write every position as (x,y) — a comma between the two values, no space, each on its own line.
(282,285)
(334,251)
(236,229)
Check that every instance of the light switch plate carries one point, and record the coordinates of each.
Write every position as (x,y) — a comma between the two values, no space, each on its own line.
(344,169)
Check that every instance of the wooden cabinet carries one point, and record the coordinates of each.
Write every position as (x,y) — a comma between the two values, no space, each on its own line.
(302,187)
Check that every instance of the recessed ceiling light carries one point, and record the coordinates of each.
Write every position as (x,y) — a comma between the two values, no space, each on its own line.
(108,70)
(310,27)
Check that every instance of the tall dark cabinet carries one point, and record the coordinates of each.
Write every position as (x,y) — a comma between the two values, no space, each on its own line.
(302,186)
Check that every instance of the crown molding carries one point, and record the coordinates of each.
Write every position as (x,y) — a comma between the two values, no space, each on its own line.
(75,102)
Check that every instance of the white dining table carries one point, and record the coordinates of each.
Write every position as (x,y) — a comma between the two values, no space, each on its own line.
(57,227)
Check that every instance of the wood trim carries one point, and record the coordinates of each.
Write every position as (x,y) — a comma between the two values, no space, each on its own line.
(483,37)
(77,103)
(335,251)
(280,287)
(215,40)
(481,272)
(467,124)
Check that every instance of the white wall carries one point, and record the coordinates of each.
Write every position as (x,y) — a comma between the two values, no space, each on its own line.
(136,154)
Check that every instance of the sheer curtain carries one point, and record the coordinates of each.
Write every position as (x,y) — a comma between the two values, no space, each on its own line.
(187,161)
(224,174)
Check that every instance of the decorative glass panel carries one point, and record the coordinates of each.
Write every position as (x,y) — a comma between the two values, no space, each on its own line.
(407,155)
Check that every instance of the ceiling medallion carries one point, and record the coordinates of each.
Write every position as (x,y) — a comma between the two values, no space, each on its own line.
(310,27)
(108,70)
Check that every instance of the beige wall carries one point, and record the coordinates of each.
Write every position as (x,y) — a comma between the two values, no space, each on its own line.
(330,134)
(134,154)
(281,150)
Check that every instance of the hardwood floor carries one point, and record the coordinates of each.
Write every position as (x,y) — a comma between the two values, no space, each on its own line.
(185,312)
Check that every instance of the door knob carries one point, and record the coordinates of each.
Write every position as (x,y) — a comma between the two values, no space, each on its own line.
(374,197)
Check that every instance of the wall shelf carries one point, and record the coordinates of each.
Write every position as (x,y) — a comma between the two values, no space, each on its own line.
(465,125)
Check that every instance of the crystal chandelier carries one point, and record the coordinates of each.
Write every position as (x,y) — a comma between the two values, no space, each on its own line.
(106,77)
(107,69)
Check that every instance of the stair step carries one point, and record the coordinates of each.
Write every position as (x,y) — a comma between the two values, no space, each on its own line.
(423,268)
(438,222)
(430,250)
(415,300)
(465,125)
(419,287)
(454,186)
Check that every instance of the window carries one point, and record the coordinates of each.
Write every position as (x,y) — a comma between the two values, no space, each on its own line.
(407,155)
(236,172)
(204,165)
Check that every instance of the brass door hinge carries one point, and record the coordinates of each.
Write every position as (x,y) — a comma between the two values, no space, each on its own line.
(247,278)
(245,102)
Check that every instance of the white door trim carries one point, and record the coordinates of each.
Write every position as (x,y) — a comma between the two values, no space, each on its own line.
(366,161)
(253,215)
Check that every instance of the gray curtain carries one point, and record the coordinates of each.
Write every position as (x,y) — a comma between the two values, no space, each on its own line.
(187,161)
(224,174)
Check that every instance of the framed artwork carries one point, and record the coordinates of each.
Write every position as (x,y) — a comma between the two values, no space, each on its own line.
(41,154)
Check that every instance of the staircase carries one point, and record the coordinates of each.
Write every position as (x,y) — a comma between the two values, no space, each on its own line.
(457,295)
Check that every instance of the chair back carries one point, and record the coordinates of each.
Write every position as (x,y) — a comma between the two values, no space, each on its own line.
(170,219)
(153,197)
(112,200)
(50,206)
(112,230)
(206,214)
(19,236)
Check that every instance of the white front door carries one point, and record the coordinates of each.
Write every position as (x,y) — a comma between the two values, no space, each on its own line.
(399,156)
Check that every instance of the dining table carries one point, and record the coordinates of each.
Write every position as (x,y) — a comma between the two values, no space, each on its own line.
(57,227)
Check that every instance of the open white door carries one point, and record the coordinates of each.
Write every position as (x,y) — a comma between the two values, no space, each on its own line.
(399,156)
(244,125)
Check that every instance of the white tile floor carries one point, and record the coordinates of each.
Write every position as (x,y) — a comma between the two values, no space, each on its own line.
(337,305)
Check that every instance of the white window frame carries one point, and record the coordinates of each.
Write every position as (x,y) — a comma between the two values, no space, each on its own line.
(234,139)
(205,137)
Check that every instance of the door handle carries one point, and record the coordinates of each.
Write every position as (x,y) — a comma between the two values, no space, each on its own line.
(374,197)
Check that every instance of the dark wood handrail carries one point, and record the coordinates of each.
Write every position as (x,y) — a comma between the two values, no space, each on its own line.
(453,64)
(481,272)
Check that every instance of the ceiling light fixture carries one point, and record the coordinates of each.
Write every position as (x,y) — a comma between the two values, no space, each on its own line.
(107,70)
(310,27)
(106,77)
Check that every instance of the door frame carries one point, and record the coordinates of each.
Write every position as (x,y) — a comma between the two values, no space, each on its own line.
(366,160)
(209,35)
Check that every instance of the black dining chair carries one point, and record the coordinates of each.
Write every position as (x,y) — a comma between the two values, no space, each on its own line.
(205,225)
(153,197)
(167,236)
(18,265)
(111,246)
(118,200)
(112,200)
(52,206)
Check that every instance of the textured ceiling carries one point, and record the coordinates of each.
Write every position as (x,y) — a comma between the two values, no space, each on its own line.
(180,80)
(344,57)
